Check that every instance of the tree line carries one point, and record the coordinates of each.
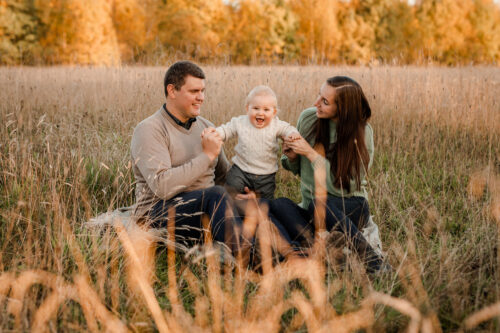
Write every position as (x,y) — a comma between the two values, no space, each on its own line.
(112,32)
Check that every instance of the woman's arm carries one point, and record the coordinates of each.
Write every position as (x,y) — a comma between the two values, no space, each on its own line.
(290,159)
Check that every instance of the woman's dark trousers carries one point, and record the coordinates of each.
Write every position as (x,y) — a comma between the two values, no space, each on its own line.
(346,215)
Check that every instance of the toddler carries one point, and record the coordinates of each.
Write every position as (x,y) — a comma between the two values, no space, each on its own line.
(255,162)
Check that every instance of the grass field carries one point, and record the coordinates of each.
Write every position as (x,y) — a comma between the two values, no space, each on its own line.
(434,192)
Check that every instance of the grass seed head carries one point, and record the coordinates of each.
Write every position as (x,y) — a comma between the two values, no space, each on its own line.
(477,185)
(495,209)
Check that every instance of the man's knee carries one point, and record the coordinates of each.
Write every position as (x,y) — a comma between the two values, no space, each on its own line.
(216,195)
(216,191)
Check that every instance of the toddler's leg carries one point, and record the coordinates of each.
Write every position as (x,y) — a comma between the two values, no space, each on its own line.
(237,180)
(265,185)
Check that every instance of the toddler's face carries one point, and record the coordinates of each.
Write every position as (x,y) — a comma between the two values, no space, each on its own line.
(261,110)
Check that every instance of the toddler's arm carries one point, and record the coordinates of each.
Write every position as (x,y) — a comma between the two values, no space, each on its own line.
(285,130)
(228,130)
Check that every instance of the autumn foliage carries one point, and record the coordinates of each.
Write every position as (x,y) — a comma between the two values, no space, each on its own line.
(110,32)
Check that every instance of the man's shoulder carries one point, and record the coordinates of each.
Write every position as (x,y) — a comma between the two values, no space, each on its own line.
(204,122)
(153,120)
(151,125)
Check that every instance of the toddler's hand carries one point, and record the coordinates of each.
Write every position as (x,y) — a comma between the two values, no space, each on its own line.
(302,147)
(292,137)
(208,130)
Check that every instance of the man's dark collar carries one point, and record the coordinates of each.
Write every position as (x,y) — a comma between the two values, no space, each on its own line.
(186,125)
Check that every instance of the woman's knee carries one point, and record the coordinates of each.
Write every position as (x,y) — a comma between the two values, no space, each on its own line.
(365,214)
(280,203)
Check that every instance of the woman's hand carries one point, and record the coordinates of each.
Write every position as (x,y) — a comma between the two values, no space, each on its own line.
(300,146)
(287,150)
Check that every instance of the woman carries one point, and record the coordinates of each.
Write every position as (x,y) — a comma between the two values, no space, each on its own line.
(337,126)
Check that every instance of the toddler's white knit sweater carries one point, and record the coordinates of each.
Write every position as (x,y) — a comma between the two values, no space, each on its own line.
(257,148)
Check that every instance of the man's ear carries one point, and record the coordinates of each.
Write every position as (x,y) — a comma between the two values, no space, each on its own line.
(171,90)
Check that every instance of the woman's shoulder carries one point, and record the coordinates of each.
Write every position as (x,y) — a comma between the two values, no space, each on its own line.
(309,113)
(307,117)
(368,130)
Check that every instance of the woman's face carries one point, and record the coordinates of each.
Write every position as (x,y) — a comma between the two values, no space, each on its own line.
(325,103)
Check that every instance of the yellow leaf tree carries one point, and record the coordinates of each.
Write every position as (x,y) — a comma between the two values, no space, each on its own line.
(356,44)
(318,32)
(129,19)
(262,30)
(445,29)
(79,32)
(193,28)
(484,44)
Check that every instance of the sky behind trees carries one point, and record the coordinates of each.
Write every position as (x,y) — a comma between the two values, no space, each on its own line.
(112,32)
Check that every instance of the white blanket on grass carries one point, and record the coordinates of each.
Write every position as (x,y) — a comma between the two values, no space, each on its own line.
(123,214)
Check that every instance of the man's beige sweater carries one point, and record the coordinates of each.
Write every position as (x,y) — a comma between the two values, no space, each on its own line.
(168,159)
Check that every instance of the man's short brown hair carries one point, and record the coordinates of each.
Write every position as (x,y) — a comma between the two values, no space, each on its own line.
(176,74)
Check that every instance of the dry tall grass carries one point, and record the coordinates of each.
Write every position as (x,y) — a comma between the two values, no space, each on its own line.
(65,136)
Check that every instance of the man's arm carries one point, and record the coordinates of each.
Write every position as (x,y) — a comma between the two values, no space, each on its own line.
(151,155)
(222,168)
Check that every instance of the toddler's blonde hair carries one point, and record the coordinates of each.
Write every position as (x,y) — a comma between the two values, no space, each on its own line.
(261,91)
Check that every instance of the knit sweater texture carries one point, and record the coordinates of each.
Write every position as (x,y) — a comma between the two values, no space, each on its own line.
(257,148)
(303,167)
(168,159)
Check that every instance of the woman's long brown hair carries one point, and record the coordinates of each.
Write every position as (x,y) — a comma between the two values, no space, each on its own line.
(348,155)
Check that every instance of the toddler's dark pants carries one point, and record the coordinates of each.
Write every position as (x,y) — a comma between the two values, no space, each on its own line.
(262,185)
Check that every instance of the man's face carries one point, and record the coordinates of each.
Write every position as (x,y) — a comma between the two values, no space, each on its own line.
(187,101)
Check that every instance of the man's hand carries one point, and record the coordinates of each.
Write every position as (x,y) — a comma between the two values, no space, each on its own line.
(211,143)
(249,194)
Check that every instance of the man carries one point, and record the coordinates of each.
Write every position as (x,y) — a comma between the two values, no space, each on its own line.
(176,162)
